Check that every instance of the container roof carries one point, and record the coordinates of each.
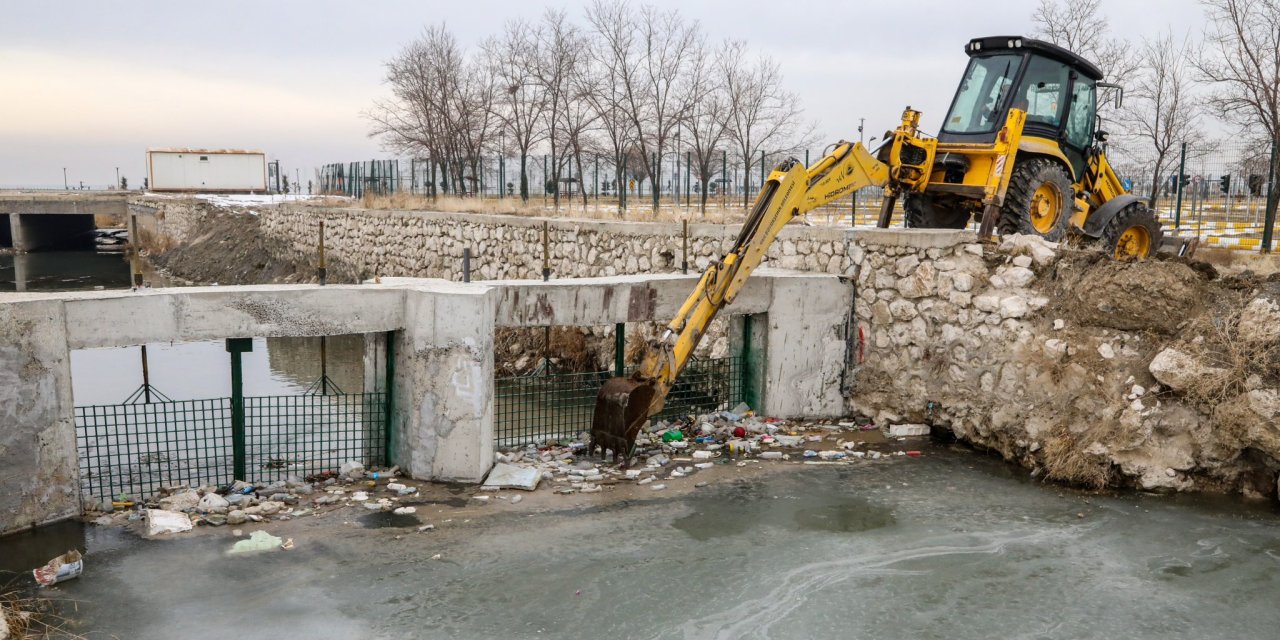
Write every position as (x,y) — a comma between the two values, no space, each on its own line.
(195,150)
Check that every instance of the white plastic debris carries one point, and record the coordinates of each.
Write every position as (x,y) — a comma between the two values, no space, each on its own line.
(64,567)
(257,541)
(404,511)
(507,476)
(160,522)
(908,430)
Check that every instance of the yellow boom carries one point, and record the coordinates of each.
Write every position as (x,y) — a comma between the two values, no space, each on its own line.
(791,190)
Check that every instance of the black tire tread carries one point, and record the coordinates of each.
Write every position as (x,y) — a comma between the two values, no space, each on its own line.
(1027,176)
(1134,214)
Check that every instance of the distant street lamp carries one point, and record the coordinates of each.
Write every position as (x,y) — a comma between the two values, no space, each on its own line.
(117,177)
(65,187)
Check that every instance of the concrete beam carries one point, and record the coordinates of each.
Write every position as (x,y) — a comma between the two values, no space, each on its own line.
(184,314)
(96,203)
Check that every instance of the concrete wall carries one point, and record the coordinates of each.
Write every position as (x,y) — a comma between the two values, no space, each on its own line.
(443,412)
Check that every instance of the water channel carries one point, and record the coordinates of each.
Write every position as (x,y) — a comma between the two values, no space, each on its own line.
(949,546)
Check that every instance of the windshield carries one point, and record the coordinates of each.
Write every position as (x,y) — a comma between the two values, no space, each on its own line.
(976,108)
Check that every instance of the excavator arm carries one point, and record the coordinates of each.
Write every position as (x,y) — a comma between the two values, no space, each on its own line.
(791,190)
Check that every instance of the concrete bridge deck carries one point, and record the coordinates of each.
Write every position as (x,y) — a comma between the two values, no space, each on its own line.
(34,220)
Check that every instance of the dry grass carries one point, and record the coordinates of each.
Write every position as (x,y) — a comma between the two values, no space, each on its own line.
(1219,344)
(33,617)
(1234,261)
(1065,459)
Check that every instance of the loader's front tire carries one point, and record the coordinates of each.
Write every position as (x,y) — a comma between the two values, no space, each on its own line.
(1039,200)
(1134,234)
(921,212)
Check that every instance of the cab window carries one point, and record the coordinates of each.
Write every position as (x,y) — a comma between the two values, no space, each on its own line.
(1043,91)
(1083,107)
(977,105)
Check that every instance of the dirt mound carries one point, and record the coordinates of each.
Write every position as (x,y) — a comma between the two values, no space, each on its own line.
(1153,295)
(235,251)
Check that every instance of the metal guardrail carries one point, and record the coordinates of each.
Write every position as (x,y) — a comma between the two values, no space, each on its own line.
(542,407)
(134,449)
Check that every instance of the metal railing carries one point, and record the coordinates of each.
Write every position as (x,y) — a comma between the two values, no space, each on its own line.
(544,407)
(134,449)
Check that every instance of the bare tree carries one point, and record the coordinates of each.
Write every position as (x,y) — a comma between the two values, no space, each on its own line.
(559,49)
(649,64)
(613,54)
(705,124)
(1242,61)
(519,101)
(424,79)
(1163,111)
(1076,26)
(760,115)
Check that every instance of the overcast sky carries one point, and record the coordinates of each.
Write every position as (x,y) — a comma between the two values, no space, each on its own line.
(89,85)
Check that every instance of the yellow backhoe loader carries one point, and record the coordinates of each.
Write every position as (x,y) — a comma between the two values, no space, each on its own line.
(1019,151)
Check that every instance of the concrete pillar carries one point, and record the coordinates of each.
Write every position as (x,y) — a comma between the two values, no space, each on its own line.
(805,345)
(20,270)
(442,422)
(38,465)
(17,233)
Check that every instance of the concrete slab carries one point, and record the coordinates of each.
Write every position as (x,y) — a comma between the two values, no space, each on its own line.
(509,476)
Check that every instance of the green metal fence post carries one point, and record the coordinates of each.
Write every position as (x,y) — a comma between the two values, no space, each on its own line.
(1182,168)
(388,428)
(748,367)
(237,346)
(1273,198)
(619,349)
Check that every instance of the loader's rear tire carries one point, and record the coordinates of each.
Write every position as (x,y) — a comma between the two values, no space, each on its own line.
(1134,234)
(921,212)
(1039,200)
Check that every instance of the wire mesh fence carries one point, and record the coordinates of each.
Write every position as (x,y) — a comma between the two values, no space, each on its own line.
(298,436)
(1217,190)
(549,406)
(135,449)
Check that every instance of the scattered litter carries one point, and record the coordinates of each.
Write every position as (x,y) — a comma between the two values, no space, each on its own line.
(64,567)
(516,499)
(426,527)
(436,557)
(257,541)
(404,511)
(658,487)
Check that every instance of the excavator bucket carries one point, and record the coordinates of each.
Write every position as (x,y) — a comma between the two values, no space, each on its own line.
(621,410)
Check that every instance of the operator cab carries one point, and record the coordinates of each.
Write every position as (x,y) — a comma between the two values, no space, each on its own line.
(1056,88)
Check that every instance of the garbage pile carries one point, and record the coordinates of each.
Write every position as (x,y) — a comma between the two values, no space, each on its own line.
(178,509)
(669,451)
